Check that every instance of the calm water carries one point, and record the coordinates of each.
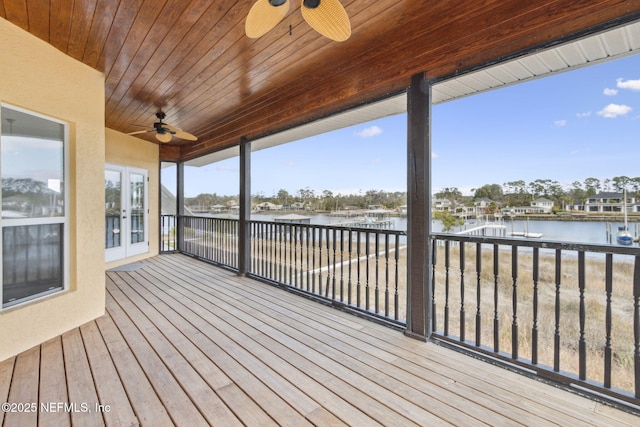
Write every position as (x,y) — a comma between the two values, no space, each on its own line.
(593,232)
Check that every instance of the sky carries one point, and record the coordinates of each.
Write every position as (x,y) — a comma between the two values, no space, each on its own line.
(568,127)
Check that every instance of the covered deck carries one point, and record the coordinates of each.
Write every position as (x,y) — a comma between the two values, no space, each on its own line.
(187,343)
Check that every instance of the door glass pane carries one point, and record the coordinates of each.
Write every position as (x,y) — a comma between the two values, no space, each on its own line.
(136,182)
(113,208)
(32,166)
(31,261)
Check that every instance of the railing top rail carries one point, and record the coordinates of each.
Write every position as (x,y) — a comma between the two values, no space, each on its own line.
(334,227)
(542,244)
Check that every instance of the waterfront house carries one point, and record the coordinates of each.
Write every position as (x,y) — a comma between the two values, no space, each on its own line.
(197,337)
(542,205)
(442,205)
(608,202)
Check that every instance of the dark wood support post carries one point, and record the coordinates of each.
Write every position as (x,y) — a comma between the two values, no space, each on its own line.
(244,234)
(418,208)
(180,206)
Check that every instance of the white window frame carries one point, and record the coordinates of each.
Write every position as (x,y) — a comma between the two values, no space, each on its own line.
(64,220)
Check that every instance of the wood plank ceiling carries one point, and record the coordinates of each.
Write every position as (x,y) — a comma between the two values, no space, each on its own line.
(191,58)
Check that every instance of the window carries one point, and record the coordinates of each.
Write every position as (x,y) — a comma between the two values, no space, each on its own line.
(33,221)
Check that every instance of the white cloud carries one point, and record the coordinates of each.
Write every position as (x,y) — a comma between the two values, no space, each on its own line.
(434,155)
(583,115)
(560,123)
(369,132)
(376,161)
(612,111)
(633,85)
(610,92)
(289,163)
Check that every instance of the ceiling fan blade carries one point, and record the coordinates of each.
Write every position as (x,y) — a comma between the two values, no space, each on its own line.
(327,17)
(163,137)
(185,135)
(179,133)
(264,16)
(139,132)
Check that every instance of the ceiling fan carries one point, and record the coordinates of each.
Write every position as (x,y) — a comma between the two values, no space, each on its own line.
(327,17)
(165,132)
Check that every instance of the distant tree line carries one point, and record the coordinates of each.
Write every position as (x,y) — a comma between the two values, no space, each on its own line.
(325,200)
(329,201)
(512,193)
(521,193)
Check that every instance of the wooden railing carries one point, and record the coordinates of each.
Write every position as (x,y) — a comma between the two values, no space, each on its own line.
(355,268)
(211,239)
(566,312)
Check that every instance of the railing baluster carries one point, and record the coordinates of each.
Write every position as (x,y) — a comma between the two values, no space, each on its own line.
(271,250)
(514,301)
(341,264)
(281,264)
(462,312)
(308,231)
(377,287)
(396,302)
(478,293)
(328,284)
(608,279)
(496,319)
(366,287)
(434,252)
(386,275)
(264,230)
(319,261)
(349,290)
(446,288)
(534,328)
(358,284)
(636,325)
(582,343)
(556,334)
(293,255)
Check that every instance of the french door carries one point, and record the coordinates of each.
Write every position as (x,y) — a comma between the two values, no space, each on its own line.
(126,212)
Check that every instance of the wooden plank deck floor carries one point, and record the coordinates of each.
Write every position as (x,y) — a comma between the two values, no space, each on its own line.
(185,343)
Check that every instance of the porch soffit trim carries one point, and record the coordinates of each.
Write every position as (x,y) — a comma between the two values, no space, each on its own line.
(612,44)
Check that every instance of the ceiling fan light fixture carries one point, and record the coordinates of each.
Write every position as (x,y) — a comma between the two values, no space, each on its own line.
(327,17)
(264,16)
(165,132)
